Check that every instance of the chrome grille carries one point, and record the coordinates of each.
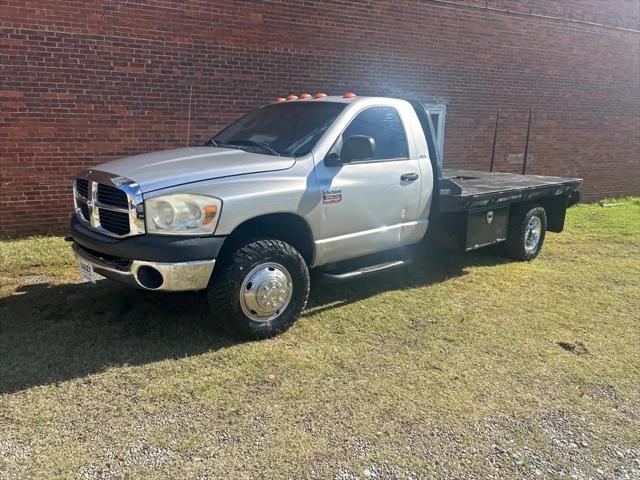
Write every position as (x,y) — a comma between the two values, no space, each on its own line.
(84,209)
(82,187)
(112,196)
(109,204)
(116,222)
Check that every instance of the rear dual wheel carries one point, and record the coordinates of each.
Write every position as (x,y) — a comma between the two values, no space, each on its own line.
(260,290)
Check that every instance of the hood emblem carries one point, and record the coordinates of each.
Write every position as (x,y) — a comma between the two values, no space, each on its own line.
(117,181)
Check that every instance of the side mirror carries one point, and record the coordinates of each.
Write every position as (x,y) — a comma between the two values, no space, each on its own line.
(358,147)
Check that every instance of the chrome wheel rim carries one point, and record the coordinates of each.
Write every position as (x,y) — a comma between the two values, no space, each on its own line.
(532,235)
(266,291)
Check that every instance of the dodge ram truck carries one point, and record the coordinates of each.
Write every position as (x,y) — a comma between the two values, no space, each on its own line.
(341,184)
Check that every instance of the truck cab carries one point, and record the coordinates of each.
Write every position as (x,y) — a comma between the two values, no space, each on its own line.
(302,183)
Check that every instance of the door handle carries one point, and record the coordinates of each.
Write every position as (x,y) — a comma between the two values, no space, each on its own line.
(409,177)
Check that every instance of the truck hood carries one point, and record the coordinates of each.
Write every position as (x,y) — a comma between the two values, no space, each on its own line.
(169,168)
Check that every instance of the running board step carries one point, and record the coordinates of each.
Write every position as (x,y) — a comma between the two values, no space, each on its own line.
(343,277)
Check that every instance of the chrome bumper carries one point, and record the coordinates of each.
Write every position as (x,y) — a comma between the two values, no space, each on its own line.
(177,276)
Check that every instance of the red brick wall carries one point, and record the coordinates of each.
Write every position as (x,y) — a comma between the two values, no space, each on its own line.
(82,82)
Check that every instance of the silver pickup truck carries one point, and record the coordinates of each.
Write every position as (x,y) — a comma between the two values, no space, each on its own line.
(333,183)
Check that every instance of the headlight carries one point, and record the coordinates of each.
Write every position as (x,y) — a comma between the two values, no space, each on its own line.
(182,214)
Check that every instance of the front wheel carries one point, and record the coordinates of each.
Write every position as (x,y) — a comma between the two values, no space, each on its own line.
(260,290)
(527,228)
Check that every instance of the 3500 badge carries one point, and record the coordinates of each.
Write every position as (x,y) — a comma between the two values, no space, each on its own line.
(331,196)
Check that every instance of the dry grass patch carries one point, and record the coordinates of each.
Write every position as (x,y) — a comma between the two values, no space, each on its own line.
(452,369)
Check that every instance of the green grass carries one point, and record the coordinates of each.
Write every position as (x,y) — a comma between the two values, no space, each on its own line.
(450,368)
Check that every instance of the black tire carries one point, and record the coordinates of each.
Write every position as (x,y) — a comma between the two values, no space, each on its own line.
(227,282)
(518,246)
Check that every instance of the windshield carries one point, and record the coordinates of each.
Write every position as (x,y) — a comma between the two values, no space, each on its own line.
(287,129)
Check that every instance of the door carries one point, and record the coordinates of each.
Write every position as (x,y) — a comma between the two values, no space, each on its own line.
(369,205)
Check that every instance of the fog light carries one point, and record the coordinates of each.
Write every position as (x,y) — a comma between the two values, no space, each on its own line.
(149,277)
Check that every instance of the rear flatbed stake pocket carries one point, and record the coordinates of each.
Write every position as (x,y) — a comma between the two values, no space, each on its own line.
(336,183)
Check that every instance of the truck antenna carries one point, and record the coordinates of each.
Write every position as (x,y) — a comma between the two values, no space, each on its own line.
(189,117)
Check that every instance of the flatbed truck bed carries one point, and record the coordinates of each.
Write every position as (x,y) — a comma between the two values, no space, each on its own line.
(461,190)
(472,207)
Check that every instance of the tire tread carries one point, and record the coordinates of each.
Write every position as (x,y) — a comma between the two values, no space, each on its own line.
(225,281)
(518,220)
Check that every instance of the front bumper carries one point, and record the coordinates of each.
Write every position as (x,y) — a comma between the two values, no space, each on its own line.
(178,276)
(152,262)
(153,248)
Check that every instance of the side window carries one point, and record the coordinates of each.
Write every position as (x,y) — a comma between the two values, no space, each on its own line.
(438,114)
(383,124)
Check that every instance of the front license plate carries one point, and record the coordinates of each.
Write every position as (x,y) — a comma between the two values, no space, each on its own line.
(86,269)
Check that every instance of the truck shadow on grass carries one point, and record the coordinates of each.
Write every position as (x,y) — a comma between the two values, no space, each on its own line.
(54,333)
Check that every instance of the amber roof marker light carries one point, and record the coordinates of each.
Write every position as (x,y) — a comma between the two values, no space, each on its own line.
(349,95)
(292,97)
(320,95)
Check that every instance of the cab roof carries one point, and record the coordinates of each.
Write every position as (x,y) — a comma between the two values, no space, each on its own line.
(339,99)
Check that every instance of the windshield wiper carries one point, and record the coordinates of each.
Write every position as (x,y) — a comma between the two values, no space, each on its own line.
(264,146)
(214,143)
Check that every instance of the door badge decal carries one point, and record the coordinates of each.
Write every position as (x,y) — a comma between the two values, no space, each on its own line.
(332,196)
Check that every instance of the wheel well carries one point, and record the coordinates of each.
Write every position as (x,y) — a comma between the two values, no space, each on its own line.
(287,227)
(555,208)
